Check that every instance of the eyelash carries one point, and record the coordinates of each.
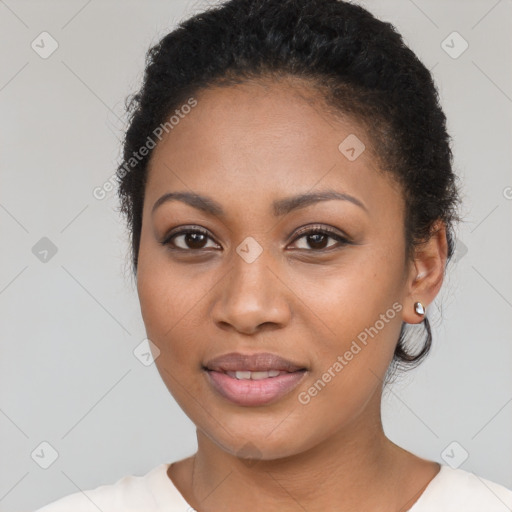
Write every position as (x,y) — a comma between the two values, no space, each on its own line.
(322,230)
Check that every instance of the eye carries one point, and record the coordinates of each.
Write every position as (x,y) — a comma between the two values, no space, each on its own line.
(317,237)
(188,239)
(195,239)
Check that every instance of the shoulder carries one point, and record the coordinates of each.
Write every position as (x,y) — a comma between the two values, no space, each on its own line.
(153,491)
(453,490)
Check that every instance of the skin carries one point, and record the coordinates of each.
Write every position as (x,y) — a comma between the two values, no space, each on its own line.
(246,146)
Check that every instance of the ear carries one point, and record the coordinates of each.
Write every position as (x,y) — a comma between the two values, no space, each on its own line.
(427,273)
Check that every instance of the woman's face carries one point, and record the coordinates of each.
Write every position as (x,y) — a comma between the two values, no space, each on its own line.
(256,282)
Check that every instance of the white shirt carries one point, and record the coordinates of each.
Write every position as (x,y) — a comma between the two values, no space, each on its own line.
(451,490)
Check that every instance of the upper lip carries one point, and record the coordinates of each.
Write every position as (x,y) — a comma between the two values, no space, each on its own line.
(259,362)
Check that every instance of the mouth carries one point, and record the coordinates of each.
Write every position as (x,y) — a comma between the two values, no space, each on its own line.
(247,374)
(253,380)
(254,363)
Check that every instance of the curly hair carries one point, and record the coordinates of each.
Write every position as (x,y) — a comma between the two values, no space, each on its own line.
(357,64)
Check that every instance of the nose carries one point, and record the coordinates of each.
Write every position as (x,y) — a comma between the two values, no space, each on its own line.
(251,297)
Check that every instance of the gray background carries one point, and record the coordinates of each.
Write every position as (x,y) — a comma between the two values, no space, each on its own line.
(69,325)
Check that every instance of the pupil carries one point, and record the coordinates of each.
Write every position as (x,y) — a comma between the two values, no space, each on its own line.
(195,240)
(317,239)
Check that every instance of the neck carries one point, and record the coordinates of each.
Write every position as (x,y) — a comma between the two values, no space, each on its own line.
(355,469)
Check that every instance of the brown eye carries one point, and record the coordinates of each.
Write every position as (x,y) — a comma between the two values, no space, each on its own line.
(189,239)
(317,239)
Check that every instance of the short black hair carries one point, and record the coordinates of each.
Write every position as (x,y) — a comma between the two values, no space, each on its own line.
(358,64)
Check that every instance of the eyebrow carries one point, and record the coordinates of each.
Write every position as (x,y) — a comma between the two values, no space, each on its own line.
(280,207)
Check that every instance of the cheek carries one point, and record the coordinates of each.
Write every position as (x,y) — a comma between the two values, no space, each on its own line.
(163,304)
(354,312)
(352,351)
(174,302)
(352,295)
(166,293)
(167,311)
(168,315)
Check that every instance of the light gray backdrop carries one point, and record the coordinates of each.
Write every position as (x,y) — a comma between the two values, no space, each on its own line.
(70,319)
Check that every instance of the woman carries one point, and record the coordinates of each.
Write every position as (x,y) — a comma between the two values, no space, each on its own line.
(288,187)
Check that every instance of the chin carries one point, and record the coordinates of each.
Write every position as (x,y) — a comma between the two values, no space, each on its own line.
(245,440)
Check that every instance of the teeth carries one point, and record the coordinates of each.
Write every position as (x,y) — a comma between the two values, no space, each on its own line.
(254,375)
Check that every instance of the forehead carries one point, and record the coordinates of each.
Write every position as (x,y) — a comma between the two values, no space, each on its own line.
(259,138)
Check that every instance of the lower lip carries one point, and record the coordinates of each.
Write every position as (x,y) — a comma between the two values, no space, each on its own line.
(248,392)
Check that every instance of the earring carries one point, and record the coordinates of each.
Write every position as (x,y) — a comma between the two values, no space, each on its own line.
(418,307)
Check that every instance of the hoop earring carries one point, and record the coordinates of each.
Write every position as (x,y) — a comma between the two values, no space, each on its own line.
(419,308)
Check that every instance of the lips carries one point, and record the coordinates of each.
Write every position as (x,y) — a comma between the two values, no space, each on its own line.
(259,362)
(253,379)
